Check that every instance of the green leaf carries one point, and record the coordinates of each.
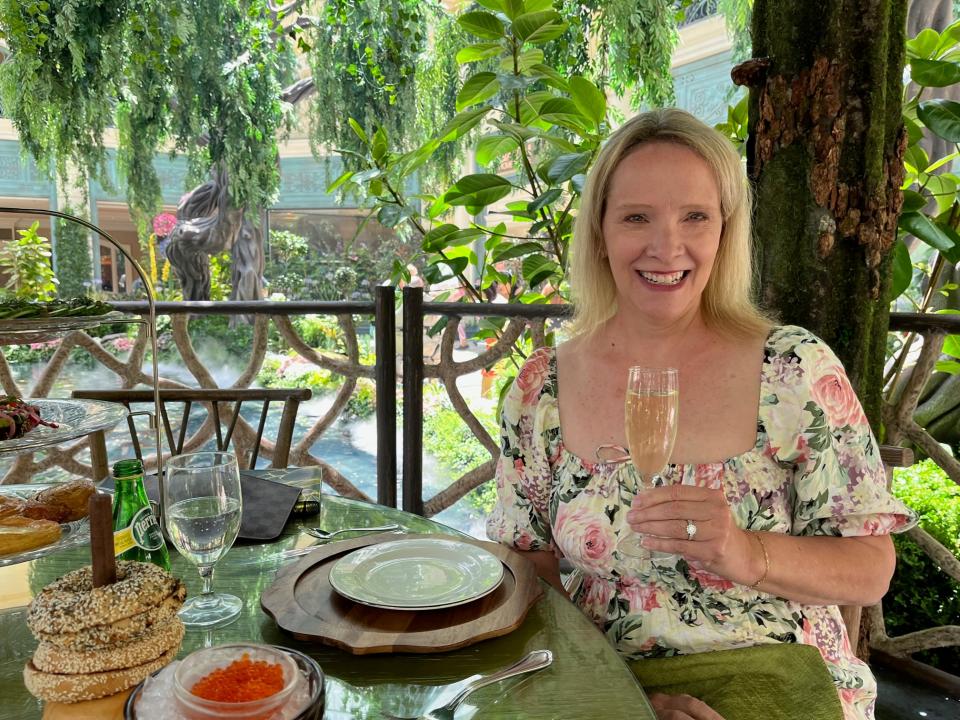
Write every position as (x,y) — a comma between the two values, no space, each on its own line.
(339,181)
(514,251)
(539,27)
(563,112)
(590,101)
(565,167)
(378,148)
(942,117)
(953,254)
(462,123)
(495,5)
(944,190)
(525,61)
(921,226)
(913,201)
(916,159)
(537,5)
(436,239)
(914,130)
(552,76)
(951,367)
(902,270)
(479,51)
(951,346)
(934,73)
(482,24)
(520,132)
(924,45)
(478,190)
(389,215)
(358,130)
(492,147)
(578,182)
(547,198)
(463,237)
(537,268)
(477,88)
(367,175)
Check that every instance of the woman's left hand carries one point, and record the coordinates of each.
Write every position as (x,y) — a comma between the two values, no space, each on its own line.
(665,515)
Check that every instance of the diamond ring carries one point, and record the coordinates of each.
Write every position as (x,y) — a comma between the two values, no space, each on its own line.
(691,529)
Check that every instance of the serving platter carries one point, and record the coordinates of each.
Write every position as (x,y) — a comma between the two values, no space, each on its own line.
(74,419)
(417,574)
(303,602)
(19,331)
(72,533)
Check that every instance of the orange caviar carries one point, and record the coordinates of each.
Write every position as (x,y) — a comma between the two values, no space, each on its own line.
(241,681)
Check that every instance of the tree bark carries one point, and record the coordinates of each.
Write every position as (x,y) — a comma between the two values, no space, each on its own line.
(825,152)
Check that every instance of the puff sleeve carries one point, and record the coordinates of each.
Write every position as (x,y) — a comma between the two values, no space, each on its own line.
(520,518)
(840,485)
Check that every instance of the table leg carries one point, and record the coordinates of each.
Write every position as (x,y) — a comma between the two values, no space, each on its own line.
(98,455)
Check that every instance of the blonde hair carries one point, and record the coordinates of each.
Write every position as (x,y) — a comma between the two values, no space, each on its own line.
(726,303)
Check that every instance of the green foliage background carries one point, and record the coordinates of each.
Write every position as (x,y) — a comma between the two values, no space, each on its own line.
(74,265)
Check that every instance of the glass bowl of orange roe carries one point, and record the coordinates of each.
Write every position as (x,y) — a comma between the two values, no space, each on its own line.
(239,682)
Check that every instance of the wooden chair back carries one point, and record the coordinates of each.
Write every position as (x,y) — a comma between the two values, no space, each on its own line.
(892,457)
(188,397)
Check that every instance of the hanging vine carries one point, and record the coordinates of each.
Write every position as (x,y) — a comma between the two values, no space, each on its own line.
(202,76)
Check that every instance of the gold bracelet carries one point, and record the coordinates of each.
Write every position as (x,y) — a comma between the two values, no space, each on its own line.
(766,560)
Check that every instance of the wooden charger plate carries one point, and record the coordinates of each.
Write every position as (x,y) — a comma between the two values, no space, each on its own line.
(303,603)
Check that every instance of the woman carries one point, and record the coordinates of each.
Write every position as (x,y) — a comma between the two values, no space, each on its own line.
(775,498)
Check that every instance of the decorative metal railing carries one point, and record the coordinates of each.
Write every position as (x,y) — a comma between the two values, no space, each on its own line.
(898,418)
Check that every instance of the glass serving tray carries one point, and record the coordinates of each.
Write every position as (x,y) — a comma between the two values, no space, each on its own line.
(18,331)
(72,533)
(74,419)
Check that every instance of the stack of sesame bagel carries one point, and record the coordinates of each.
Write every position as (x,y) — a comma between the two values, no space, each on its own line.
(99,641)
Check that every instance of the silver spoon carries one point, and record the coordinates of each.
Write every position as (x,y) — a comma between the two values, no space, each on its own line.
(535,660)
(325,535)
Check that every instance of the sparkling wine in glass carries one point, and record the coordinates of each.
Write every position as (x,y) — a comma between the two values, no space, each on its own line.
(652,406)
(202,504)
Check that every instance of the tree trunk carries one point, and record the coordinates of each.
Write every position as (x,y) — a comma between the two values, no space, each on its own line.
(826,150)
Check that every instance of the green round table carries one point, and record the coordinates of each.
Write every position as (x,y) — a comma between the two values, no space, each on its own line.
(587,679)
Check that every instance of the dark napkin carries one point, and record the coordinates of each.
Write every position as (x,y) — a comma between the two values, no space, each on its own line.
(266,504)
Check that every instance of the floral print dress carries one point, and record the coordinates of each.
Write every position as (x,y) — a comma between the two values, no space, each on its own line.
(815,470)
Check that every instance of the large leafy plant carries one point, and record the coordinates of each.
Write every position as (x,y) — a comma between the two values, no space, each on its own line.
(539,132)
(931,205)
(26,263)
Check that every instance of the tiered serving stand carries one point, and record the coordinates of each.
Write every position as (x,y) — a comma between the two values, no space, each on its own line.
(79,418)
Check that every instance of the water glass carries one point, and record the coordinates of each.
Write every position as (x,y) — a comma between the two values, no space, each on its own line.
(202,503)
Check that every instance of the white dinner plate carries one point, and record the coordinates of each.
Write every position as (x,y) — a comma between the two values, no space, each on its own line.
(417,574)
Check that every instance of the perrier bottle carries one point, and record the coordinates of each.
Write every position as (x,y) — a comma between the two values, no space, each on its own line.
(136,532)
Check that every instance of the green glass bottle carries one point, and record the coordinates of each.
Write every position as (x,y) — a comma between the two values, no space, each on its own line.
(136,532)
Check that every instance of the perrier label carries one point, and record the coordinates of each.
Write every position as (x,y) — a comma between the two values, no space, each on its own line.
(136,532)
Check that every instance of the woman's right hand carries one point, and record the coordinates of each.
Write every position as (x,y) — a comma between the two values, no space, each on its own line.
(682,707)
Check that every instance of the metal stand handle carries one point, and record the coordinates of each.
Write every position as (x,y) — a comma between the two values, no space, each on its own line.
(151,324)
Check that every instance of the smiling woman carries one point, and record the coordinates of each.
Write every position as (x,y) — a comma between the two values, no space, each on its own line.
(775,508)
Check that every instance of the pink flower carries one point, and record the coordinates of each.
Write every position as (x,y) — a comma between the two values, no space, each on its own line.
(709,475)
(596,599)
(532,376)
(122,344)
(523,540)
(163,224)
(585,537)
(641,596)
(707,579)
(832,392)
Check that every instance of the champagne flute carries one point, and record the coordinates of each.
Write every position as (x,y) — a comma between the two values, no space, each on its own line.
(652,406)
(202,503)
